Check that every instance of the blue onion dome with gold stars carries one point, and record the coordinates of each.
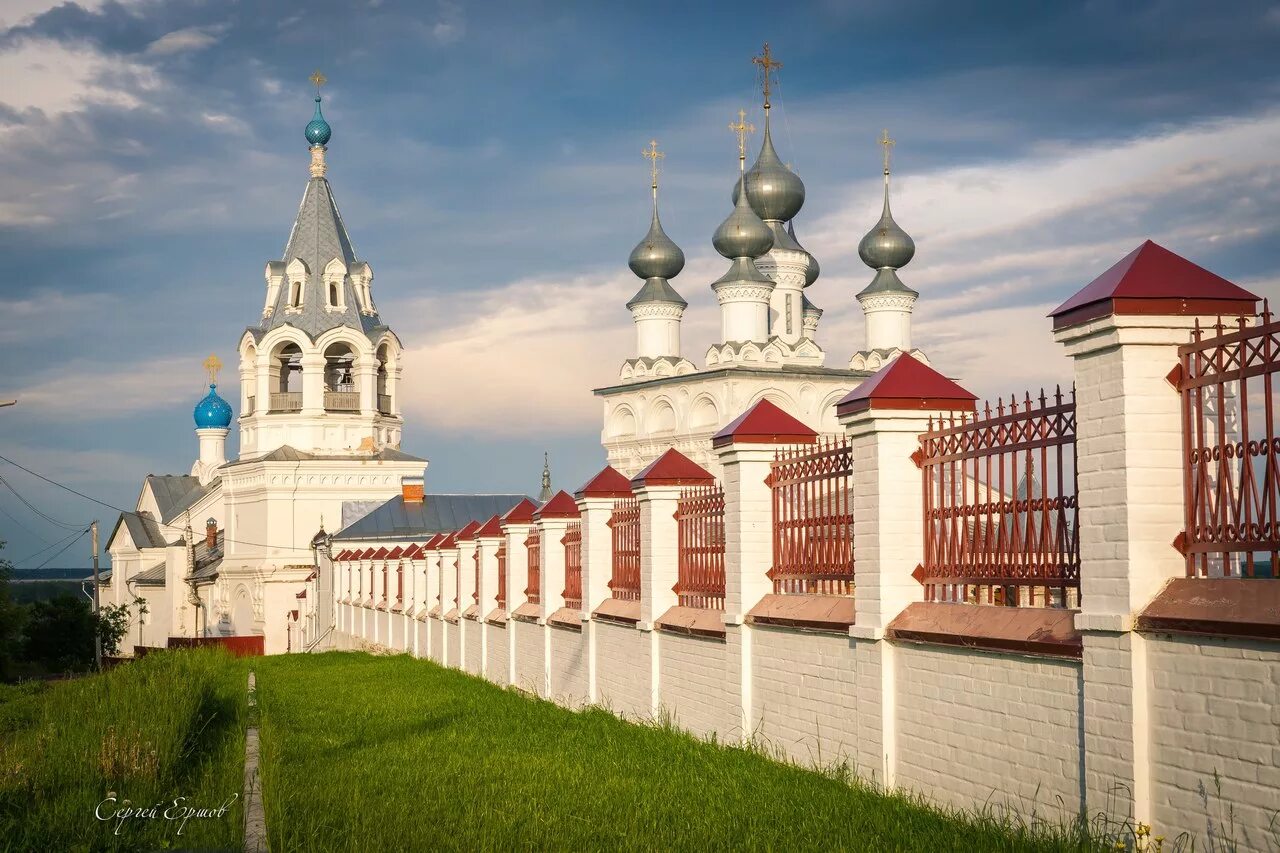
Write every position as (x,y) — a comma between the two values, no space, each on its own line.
(213,412)
(318,130)
(657,255)
(775,192)
(742,234)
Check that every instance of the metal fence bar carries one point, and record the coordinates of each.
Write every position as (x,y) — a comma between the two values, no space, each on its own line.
(624,523)
(700,533)
(572,542)
(1231,461)
(534,545)
(501,597)
(1000,505)
(812,487)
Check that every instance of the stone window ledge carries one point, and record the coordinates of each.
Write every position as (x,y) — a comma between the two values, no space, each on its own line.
(618,610)
(452,616)
(1038,631)
(1245,608)
(472,612)
(828,613)
(498,617)
(694,621)
(566,617)
(527,613)
(434,612)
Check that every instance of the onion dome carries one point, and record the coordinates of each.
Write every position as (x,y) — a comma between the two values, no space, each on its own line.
(742,235)
(657,255)
(318,130)
(886,245)
(774,191)
(811,270)
(212,412)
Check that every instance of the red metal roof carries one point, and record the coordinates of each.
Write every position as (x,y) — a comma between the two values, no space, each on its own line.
(434,542)
(906,383)
(395,553)
(673,468)
(521,513)
(492,527)
(468,532)
(367,553)
(764,423)
(609,483)
(302,594)
(381,554)
(561,505)
(413,552)
(449,541)
(1153,280)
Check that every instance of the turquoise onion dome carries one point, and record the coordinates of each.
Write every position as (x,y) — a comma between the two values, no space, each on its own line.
(318,130)
(213,412)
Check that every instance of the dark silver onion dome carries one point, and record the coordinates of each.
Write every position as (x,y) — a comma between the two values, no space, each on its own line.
(742,234)
(886,245)
(774,191)
(657,255)
(811,270)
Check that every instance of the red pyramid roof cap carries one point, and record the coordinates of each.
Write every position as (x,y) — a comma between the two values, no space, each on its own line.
(906,383)
(609,483)
(764,423)
(521,513)
(413,552)
(434,542)
(449,541)
(561,505)
(492,527)
(468,532)
(1153,280)
(380,554)
(673,468)
(396,553)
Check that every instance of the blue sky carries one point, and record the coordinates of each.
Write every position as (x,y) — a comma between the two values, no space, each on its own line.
(487,161)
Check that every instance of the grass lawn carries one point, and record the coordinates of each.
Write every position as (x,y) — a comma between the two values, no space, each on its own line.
(165,726)
(365,753)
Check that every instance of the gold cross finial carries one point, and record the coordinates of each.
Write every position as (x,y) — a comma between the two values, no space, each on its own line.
(653,155)
(767,63)
(318,79)
(888,147)
(742,128)
(212,365)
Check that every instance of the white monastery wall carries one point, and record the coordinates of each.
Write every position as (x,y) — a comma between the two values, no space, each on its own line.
(692,684)
(530,653)
(1215,708)
(471,645)
(496,666)
(622,670)
(984,727)
(568,666)
(804,695)
(453,644)
(437,638)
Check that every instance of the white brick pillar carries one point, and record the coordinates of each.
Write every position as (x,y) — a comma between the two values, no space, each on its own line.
(449,579)
(517,580)
(1129,481)
(487,542)
(312,384)
(466,586)
(659,569)
(595,502)
(435,602)
(883,419)
(417,568)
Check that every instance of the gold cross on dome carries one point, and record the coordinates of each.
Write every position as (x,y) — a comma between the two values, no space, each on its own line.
(741,127)
(212,365)
(767,64)
(653,155)
(318,79)
(888,147)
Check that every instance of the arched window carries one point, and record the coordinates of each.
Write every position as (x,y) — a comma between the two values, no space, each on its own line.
(341,393)
(333,294)
(295,294)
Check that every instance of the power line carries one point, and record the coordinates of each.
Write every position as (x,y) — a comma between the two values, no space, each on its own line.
(23,526)
(35,554)
(60,553)
(64,525)
(114,508)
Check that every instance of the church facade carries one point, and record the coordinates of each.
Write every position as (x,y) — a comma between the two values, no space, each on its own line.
(226,550)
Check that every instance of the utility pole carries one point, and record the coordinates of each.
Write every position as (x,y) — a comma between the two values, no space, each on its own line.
(97,629)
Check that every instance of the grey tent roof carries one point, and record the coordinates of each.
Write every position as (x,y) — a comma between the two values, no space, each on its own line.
(104,578)
(143,530)
(153,576)
(436,514)
(319,236)
(188,500)
(286,453)
(171,490)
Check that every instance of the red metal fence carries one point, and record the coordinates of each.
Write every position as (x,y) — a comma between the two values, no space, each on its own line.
(700,526)
(475,589)
(1000,512)
(812,488)
(1231,477)
(624,522)
(534,546)
(501,597)
(247,645)
(572,542)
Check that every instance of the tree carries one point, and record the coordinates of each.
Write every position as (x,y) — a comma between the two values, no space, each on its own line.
(11,621)
(113,623)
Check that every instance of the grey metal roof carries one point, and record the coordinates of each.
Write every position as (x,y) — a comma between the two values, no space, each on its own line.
(886,281)
(319,236)
(153,576)
(143,530)
(104,578)
(286,453)
(726,372)
(656,290)
(170,490)
(207,560)
(436,514)
(189,499)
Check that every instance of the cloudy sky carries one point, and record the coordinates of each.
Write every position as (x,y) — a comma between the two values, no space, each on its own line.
(487,160)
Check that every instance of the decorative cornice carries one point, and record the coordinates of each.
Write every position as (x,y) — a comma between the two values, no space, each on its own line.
(887,301)
(658,310)
(746,292)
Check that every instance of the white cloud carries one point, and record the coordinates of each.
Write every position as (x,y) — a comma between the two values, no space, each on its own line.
(54,78)
(111,389)
(185,40)
(19,11)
